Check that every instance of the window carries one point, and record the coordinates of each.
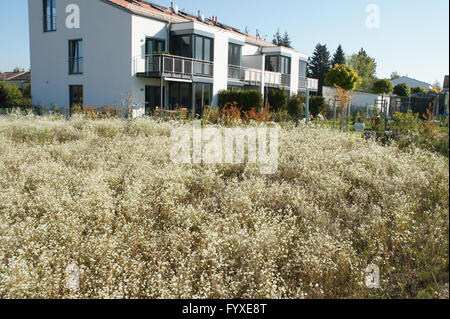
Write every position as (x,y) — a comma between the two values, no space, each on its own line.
(180,95)
(279,64)
(203,97)
(272,63)
(75,57)
(204,52)
(285,65)
(234,54)
(181,46)
(154,45)
(203,48)
(302,68)
(49,16)
(76,95)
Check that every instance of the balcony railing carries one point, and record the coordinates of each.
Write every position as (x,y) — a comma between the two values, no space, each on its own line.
(286,80)
(156,65)
(254,76)
(76,65)
(308,84)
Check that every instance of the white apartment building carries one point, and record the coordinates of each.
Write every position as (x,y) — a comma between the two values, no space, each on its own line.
(92,51)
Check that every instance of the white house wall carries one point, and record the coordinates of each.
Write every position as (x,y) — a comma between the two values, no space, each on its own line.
(106,35)
(250,49)
(220,65)
(143,28)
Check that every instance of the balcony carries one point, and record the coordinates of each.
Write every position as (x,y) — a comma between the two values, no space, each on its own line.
(305,83)
(164,65)
(254,77)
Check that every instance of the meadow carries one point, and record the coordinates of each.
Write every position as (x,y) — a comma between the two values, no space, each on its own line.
(104,195)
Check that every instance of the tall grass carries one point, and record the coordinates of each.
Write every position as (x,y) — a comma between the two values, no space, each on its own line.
(104,195)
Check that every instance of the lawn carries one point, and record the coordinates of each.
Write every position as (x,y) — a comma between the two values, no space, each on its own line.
(104,196)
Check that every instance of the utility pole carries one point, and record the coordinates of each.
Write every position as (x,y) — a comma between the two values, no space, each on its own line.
(307,106)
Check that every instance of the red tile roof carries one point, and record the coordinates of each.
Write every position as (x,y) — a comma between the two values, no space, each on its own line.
(16,76)
(167,14)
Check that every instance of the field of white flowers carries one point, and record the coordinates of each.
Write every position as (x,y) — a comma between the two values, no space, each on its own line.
(104,196)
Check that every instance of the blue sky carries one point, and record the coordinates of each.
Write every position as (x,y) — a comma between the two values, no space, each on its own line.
(413,38)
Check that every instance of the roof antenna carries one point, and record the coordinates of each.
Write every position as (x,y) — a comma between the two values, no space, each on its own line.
(257,34)
(174,7)
(201,16)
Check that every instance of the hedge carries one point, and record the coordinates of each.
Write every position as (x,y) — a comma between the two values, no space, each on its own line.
(246,99)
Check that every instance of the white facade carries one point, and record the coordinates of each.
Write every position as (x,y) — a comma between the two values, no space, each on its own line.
(361,101)
(115,61)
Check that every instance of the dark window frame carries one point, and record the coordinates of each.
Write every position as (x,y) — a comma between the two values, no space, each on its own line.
(49,18)
(287,67)
(175,50)
(156,42)
(178,87)
(72,101)
(303,64)
(231,52)
(211,49)
(76,66)
(203,103)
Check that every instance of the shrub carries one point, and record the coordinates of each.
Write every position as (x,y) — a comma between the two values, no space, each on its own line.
(27,91)
(278,99)
(418,90)
(433,91)
(402,89)
(316,105)
(407,123)
(245,99)
(296,106)
(10,95)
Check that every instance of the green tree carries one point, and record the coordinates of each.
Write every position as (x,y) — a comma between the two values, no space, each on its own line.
(366,68)
(344,79)
(383,87)
(319,65)
(280,40)
(339,57)
(277,39)
(418,90)
(10,95)
(437,85)
(344,76)
(402,89)
(395,75)
(286,41)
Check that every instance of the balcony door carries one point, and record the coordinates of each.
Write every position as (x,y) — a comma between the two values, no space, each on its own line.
(152,99)
(154,46)
(180,95)
(203,97)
